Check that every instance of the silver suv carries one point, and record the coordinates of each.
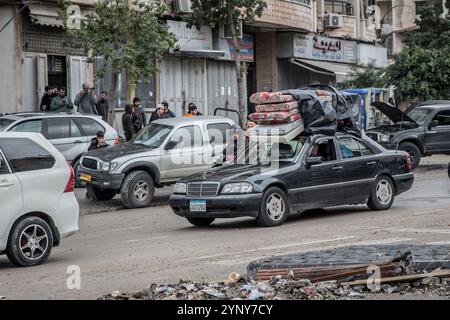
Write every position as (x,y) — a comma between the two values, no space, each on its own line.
(70,133)
(161,154)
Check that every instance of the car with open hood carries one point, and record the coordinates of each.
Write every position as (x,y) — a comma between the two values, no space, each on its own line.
(422,130)
(271,180)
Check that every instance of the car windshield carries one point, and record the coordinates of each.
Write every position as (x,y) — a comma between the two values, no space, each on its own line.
(419,115)
(266,152)
(153,135)
(4,123)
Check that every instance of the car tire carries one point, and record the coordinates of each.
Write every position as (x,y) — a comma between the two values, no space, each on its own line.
(30,242)
(137,190)
(413,151)
(274,208)
(382,194)
(200,222)
(97,194)
(78,182)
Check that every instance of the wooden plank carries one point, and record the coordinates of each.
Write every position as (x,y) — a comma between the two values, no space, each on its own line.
(443,273)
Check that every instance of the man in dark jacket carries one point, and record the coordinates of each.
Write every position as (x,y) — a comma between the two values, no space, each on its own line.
(158,113)
(127,122)
(103,106)
(98,142)
(139,118)
(167,112)
(47,98)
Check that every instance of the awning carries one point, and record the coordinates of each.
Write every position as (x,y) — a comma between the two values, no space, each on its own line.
(203,53)
(341,71)
(47,15)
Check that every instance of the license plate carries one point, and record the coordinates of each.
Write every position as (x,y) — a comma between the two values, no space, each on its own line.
(85,177)
(197,206)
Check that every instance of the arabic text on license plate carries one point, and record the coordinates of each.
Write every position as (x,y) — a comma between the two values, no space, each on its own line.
(85,177)
(198,206)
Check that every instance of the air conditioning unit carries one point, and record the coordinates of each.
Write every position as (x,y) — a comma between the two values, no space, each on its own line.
(333,21)
(225,31)
(182,6)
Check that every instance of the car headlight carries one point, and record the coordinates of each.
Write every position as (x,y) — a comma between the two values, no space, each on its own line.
(106,166)
(240,187)
(385,138)
(180,188)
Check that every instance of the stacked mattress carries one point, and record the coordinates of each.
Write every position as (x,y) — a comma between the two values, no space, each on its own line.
(277,115)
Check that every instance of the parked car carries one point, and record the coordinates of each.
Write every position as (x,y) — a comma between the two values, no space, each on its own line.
(307,173)
(153,159)
(423,130)
(38,205)
(70,133)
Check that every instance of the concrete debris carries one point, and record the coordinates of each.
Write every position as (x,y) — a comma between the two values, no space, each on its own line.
(281,289)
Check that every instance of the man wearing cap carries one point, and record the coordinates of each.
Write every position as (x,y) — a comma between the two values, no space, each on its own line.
(158,113)
(193,111)
(98,142)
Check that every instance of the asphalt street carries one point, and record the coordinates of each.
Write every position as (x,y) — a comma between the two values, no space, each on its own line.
(126,250)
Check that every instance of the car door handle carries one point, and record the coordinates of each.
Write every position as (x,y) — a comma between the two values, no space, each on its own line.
(78,141)
(6,184)
(338,168)
(371,163)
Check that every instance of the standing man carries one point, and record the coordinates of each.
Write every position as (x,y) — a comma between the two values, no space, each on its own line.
(103,106)
(127,122)
(47,98)
(139,118)
(61,103)
(158,114)
(167,112)
(86,100)
(193,111)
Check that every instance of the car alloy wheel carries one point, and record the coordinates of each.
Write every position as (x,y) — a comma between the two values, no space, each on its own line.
(384,192)
(33,242)
(275,207)
(141,190)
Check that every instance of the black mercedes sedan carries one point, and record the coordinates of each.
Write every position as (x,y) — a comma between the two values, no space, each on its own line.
(309,172)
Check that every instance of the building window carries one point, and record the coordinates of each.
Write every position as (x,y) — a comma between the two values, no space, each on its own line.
(339,7)
(307,2)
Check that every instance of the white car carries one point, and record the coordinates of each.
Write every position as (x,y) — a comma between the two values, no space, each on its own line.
(37,202)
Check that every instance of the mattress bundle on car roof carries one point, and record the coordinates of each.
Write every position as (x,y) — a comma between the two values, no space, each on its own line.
(284,115)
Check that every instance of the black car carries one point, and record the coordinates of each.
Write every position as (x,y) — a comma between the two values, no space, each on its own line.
(309,172)
(422,130)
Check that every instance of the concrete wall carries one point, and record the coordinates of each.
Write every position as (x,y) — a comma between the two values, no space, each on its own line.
(288,14)
(266,61)
(8,67)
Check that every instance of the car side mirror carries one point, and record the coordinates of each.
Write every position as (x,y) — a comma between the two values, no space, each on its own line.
(311,161)
(433,124)
(170,145)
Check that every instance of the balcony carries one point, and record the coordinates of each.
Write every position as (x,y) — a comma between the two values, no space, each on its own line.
(287,14)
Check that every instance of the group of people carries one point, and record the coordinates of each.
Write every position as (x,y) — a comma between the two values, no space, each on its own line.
(56,100)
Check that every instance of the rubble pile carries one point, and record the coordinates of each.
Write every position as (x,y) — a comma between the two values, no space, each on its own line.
(282,289)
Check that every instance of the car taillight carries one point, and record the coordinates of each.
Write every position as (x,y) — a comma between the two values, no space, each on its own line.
(409,164)
(117,141)
(70,187)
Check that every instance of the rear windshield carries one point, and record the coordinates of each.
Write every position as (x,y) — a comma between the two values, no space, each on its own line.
(153,135)
(4,123)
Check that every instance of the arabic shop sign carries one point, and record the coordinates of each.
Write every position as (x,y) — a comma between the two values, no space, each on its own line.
(324,48)
(247,52)
(191,38)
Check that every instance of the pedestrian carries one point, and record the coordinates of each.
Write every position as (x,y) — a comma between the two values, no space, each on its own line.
(139,118)
(47,98)
(167,112)
(103,106)
(193,111)
(98,142)
(158,113)
(61,103)
(127,122)
(86,100)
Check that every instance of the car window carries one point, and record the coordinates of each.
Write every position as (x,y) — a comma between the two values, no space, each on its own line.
(58,128)
(187,137)
(28,157)
(74,130)
(217,132)
(419,115)
(349,148)
(90,126)
(153,135)
(4,123)
(365,150)
(443,118)
(3,167)
(324,149)
(28,126)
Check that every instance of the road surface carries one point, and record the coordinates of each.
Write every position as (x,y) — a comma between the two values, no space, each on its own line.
(127,250)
